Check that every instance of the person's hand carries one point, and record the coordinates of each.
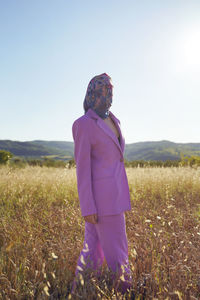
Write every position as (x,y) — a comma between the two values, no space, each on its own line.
(91,218)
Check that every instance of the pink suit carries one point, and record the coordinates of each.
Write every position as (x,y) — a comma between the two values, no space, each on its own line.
(103,190)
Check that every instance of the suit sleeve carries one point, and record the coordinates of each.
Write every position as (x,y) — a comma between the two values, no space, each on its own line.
(82,155)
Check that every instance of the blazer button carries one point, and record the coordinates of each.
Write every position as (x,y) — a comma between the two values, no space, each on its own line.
(121,159)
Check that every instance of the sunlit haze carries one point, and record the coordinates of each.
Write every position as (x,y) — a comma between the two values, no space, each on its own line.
(51,49)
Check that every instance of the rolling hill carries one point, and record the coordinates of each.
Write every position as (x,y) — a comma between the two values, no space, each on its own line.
(39,148)
(151,150)
(160,150)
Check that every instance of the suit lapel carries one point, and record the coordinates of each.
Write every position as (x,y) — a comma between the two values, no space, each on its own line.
(117,122)
(107,129)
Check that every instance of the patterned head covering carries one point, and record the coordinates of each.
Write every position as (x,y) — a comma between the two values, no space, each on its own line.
(95,99)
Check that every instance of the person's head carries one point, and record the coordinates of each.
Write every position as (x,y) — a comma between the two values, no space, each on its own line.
(99,95)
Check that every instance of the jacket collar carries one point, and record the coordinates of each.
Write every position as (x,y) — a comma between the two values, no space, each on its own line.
(92,114)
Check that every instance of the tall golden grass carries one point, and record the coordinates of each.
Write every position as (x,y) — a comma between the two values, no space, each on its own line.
(42,233)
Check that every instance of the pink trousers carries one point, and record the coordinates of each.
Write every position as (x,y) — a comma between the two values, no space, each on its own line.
(108,239)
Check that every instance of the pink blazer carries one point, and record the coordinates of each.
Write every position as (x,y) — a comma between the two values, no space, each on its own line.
(101,177)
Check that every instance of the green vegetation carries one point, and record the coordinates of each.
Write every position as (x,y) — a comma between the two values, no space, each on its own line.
(5,156)
(59,150)
(52,161)
(160,151)
(192,161)
(38,149)
(17,162)
(42,234)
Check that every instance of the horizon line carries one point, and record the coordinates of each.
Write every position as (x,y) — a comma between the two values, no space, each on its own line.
(146,141)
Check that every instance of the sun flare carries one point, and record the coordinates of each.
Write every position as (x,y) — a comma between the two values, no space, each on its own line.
(191,48)
(188,45)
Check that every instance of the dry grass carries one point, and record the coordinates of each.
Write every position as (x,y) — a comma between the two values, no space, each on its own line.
(42,233)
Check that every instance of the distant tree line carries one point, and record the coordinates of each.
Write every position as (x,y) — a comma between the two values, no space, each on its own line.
(193,161)
(7,157)
(151,163)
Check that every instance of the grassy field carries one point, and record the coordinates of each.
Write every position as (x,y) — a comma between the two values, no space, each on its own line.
(42,233)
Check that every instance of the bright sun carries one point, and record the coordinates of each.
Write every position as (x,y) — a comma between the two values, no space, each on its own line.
(188,49)
(191,48)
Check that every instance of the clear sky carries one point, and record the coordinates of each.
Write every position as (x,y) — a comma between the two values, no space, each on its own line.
(49,50)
